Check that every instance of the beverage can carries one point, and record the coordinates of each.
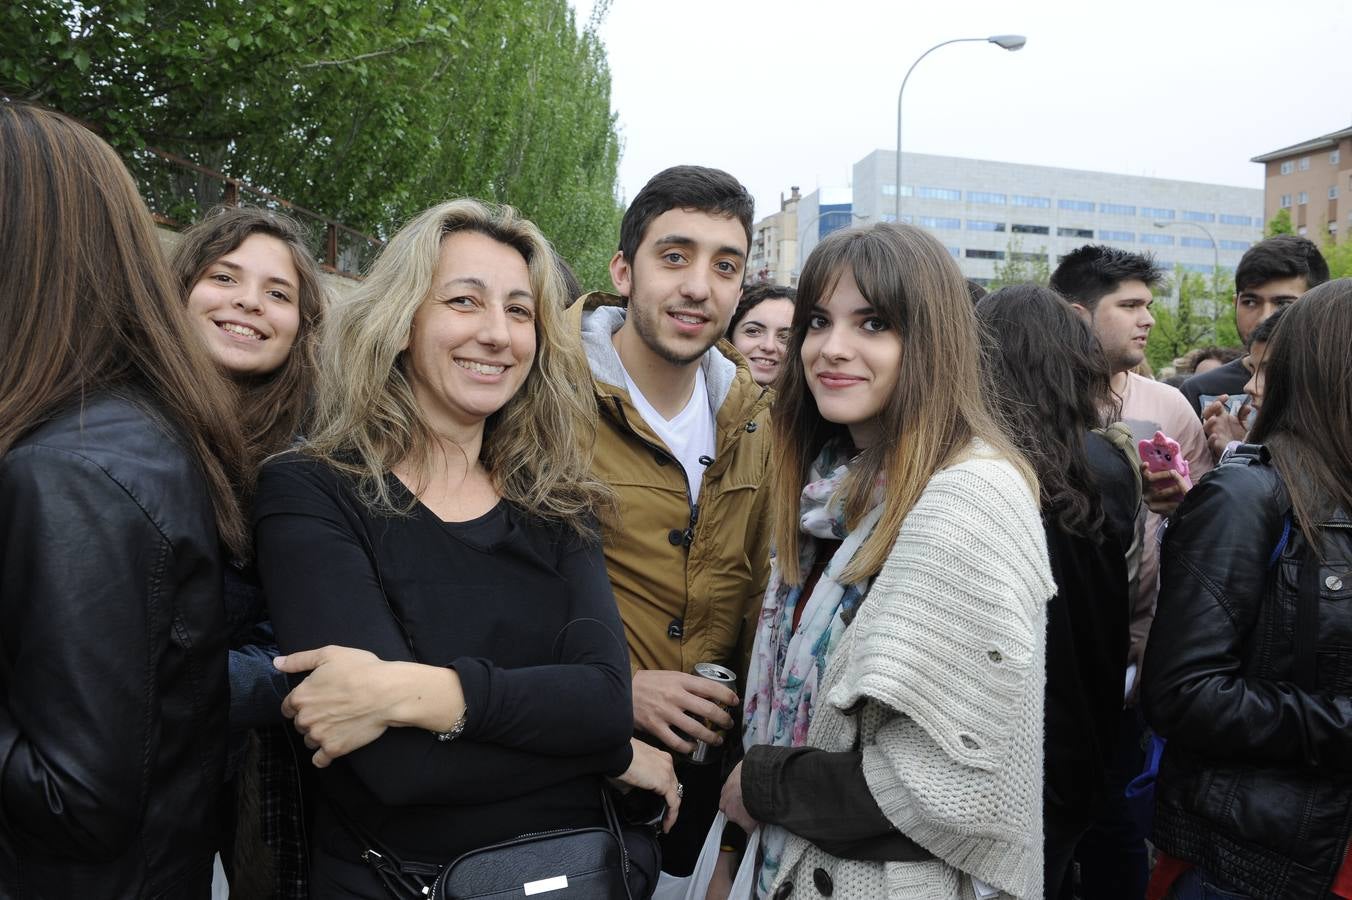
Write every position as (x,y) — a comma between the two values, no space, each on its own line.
(723,676)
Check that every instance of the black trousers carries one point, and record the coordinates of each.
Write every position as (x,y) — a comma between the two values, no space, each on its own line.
(702,785)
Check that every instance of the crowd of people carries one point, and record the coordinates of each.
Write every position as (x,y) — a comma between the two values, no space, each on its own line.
(470,583)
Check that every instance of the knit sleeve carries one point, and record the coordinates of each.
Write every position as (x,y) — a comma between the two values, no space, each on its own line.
(950,647)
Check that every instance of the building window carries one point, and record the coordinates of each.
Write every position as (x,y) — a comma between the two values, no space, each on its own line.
(1235,245)
(955,252)
(1166,240)
(1036,202)
(1018,256)
(889,217)
(1075,232)
(1333,192)
(1116,236)
(1030,229)
(1305,164)
(1286,201)
(889,190)
(933,193)
(1151,212)
(1334,158)
(985,197)
(1191,216)
(1288,167)
(985,254)
(1235,220)
(1195,242)
(980,225)
(1076,205)
(939,222)
(1303,197)
(1117,209)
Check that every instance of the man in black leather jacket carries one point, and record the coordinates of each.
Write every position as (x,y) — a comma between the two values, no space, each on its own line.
(1255,786)
(112,660)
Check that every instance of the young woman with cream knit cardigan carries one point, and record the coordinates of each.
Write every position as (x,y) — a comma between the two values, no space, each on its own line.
(895,698)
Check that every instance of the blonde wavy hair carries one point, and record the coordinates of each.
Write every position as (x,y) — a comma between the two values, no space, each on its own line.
(537,448)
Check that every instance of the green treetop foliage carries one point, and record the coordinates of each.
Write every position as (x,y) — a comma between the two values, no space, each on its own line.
(366,111)
(1338,254)
(1279,224)
(1020,267)
(1204,316)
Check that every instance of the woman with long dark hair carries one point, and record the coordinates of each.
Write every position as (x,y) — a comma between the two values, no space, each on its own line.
(1248,673)
(894,702)
(118,469)
(254,297)
(1048,384)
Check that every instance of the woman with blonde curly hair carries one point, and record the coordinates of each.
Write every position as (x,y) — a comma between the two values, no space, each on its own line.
(436,538)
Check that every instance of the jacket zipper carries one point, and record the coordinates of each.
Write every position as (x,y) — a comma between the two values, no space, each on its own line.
(689,533)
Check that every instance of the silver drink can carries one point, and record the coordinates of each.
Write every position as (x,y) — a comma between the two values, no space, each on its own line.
(728,679)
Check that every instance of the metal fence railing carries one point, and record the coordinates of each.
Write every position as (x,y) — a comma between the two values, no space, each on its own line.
(180,192)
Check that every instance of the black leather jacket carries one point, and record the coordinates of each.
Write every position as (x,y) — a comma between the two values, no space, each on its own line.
(112,661)
(1255,785)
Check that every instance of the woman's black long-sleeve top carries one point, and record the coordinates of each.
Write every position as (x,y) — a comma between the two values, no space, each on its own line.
(524,613)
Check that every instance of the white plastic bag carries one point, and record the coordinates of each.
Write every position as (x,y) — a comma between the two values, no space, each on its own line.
(697,885)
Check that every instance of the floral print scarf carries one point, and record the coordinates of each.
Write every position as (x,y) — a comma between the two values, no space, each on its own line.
(787,663)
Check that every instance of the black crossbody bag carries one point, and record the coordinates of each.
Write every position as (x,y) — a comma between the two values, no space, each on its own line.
(590,863)
(574,863)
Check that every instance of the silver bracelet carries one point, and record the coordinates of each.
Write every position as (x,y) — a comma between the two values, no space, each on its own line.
(456,730)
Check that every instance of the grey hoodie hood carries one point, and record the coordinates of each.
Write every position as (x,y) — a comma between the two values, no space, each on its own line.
(600,323)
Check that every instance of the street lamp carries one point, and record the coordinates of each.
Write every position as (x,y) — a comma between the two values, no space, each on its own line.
(1003,41)
(854,217)
(1215,265)
(1215,248)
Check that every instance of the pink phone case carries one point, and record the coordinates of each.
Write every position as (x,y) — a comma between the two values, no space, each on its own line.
(1163,454)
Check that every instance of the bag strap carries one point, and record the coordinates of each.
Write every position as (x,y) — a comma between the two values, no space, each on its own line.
(1119,435)
(401,882)
(1306,632)
(1307,620)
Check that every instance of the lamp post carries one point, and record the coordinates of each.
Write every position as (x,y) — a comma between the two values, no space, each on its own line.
(1215,265)
(1215,248)
(1004,41)
(854,217)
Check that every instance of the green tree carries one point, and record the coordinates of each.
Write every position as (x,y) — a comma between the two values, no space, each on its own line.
(1338,254)
(1020,267)
(1279,224)
(1202,317)
(364,111)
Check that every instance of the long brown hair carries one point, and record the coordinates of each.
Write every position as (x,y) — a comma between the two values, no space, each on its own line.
(537,448)
(938,408)
(1306,416)
(1048,383)
(86,300)
(272,406)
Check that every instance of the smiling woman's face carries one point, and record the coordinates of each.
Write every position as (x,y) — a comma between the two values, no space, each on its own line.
(762,336)
(246,306)
(472,343)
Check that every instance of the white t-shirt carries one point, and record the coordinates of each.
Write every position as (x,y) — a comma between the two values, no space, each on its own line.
(689,436)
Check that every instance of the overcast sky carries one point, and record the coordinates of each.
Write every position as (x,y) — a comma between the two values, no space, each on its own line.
(784,92)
